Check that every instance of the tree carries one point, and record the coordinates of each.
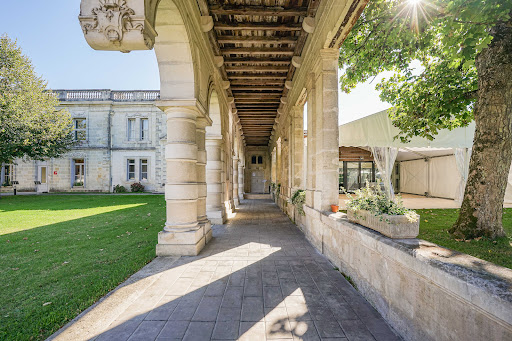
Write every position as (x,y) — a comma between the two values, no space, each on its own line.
(30,124)
(465,49)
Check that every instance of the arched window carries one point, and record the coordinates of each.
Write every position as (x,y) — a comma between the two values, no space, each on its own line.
(260,160)
(253,160)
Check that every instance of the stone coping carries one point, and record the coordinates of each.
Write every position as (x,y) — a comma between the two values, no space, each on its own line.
(483,284)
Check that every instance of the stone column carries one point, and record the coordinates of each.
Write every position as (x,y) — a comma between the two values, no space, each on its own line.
(182,234)
(297,142)
(240,179)
(201,178)
(326,130)
(215,209)
(235,182)
(311,150)
(285,164)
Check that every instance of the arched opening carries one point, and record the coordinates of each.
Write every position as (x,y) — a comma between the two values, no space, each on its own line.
(174,54)
(215,177)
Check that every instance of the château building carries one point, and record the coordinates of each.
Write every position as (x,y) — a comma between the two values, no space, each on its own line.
(120,135)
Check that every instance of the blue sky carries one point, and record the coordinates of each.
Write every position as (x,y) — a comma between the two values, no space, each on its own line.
(49,33)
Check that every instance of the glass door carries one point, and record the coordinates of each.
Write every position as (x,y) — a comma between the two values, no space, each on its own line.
(366,173)
(352,176)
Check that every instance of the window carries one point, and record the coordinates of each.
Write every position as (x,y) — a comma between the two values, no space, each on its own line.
(143,174)
(79,129)
(131,129)
(138,129)
(7,173)
(131,169)
(78,172)
(144,129)
(257,160)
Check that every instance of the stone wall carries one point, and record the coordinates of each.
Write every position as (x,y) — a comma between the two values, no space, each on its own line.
(424,291)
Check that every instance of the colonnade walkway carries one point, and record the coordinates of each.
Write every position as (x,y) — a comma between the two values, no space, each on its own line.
(258,279)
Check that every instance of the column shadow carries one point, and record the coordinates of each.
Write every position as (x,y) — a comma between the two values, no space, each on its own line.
(258,279)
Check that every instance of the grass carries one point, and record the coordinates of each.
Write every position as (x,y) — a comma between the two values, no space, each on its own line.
(434,227)
(60,254)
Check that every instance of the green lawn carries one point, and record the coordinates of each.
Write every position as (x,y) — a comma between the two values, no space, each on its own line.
(434,227)
(60,253)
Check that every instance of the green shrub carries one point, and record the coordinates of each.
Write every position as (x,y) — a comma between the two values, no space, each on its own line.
(298,199)
(374,200)
(137,187)
(119,189)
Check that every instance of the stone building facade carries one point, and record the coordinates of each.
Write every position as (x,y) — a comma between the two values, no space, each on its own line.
(121,137)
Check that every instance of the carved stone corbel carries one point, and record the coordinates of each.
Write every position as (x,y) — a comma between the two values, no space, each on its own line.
(118,25)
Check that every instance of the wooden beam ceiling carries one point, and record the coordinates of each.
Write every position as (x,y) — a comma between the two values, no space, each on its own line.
(258,42)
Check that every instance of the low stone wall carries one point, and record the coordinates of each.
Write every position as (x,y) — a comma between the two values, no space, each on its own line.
(424,291)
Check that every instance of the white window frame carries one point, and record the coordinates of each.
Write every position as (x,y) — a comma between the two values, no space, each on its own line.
(135,130)
(131,129)
(131,162)
(144,132)
(143,162)
(82,171)
(4,174)
(77,130)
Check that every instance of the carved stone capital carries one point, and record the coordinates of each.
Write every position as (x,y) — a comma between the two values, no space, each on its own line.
(118,25)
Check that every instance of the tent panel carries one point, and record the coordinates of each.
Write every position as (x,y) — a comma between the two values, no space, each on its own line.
(377,131)
(414,177)
(444,177)
(508,192)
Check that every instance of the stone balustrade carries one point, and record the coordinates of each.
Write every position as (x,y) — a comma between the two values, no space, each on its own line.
(107,95)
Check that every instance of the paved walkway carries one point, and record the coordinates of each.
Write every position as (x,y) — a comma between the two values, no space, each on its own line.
(259,279)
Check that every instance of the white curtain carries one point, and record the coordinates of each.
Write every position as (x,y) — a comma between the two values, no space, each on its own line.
(462,156)
(385,159)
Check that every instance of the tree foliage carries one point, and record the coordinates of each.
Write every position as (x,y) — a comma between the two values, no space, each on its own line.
(444,36)
(30,124)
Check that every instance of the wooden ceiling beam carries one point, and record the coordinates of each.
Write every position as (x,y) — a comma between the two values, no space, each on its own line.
(259,10)
(256,39)
(256,76)
(256,95)
(254,51)
(261,68)
(256,88)
(257,59)
(268,26)
(255,82)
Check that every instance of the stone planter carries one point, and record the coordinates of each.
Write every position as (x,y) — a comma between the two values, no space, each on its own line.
(392,226)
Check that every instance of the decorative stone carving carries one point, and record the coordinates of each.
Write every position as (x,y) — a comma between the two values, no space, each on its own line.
(114,25)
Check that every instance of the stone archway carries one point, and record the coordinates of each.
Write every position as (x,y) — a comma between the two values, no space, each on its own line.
(215,207)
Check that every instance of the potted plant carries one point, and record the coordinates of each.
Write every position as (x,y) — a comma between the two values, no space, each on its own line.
(298,199)
(372,208)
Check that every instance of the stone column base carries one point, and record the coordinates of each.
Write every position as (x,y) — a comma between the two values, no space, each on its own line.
(207,229)
(217,217)
(181,243)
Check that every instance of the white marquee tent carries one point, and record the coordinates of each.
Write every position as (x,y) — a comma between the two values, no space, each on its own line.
(438,168)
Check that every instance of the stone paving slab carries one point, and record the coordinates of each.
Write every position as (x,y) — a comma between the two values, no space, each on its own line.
(258,279)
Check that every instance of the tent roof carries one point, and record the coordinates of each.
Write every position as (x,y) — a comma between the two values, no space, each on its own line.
(377,131)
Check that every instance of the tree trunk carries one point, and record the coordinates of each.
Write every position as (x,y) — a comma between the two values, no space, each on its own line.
(482,207)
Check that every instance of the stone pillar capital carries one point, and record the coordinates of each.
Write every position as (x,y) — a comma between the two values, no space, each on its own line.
(181,106)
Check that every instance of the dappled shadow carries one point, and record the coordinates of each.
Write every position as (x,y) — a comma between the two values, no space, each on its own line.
(258,279)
